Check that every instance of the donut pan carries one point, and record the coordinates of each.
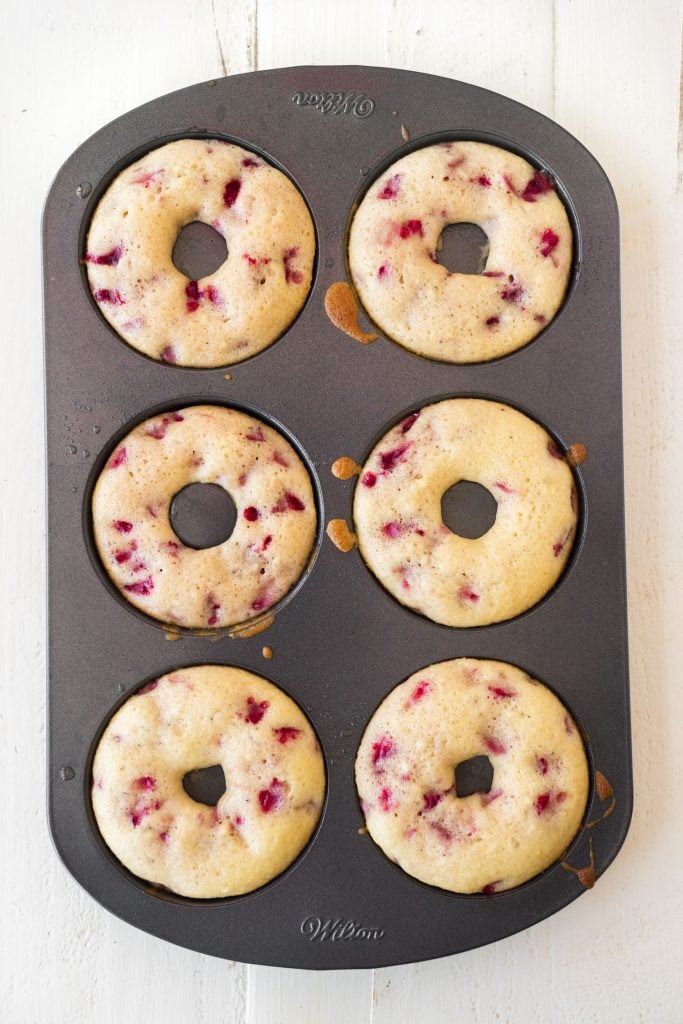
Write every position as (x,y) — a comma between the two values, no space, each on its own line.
(340,643)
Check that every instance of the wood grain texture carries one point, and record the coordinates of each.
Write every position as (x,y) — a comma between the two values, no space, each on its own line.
(609,72)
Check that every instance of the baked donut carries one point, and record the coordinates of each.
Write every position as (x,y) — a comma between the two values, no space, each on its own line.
(231,314)
(209,587)
(443,716)
(191,719)
(461,318)
(397,512)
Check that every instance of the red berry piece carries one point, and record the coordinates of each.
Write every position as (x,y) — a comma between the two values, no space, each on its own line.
(421,690)
(214,611)
(568,727)
(482,180)
(493,273)
(393,530)
(145,782)
(122,556)
(194,296)
(540,318)
(250,163)
(455,163)
(280,459)
(411,227)
(231,192)
(368,479)
(148,687)
(148,178)
(261,603)
(512,293)
(255,710)
(554,451)
(267,541)
(501,692)
(492,321)
(135,324)
(488,798)
(285,733)
(384,271)
(549,242)
(293,503)
(122,526)
(289,503)
(256,261)
(494,745)
(272,798)
(292,276)
(431,799)
(143,588)
(542,801)
(542,765)
(559,546)
(390,459)
(410,422)
(158,430)
(442,832)
(255,435)
(251,514)
(172,547)
(391,187)
(510,184)
(467,594)
(381,750)
(537,186)
(112,297)
(386,800)
(168,354)
(163,837)
(213,295)
(491,887)
(106,259)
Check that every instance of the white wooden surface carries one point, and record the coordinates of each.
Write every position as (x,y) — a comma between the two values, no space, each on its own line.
(608,70)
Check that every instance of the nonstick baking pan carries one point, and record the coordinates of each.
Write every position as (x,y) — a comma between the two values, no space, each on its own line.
(340,643)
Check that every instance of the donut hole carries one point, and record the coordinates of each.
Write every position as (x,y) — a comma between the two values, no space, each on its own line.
(468,509)
(205,785)
(199,250)
(475,775)
(203,515)
(463,248)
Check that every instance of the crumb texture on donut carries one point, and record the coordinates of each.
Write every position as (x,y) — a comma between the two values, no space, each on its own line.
(455,580)
(488,841)
(213,587)
(461,318)
(231,314)
(195,718)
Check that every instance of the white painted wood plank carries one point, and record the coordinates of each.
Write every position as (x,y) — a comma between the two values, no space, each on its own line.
(66,71)
(616,88)
(612,956)
(279,996)
(470,40)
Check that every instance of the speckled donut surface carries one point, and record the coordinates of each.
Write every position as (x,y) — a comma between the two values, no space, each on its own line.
(217,586)
(191,719)
(451,579)
(231,314)
(487,841)
(461,318)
